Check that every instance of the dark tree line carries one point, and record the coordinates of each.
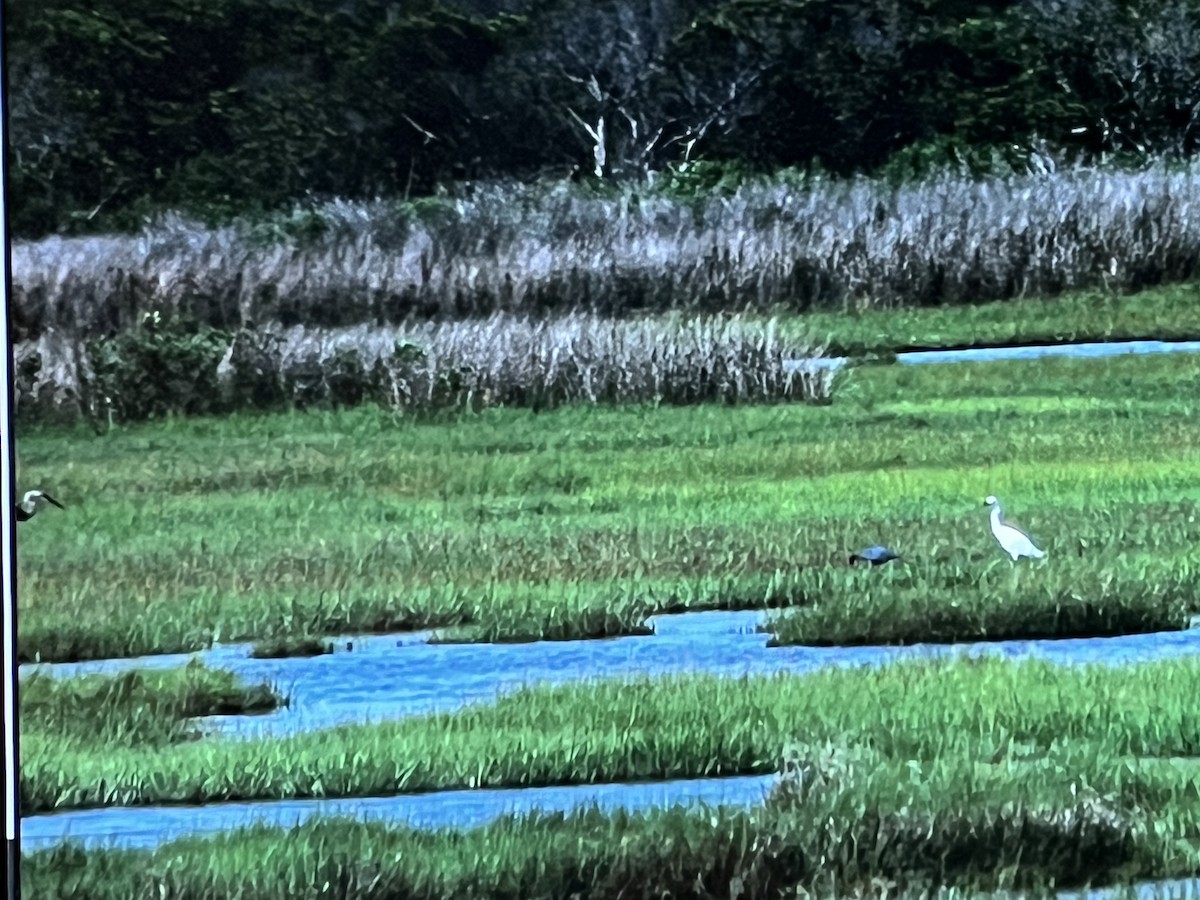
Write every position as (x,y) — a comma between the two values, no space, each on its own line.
(121,107)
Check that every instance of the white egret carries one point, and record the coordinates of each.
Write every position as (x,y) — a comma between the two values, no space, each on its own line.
(27,506)
(1014,541)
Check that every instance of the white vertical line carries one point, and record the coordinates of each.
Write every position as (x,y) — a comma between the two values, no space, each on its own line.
(7,488)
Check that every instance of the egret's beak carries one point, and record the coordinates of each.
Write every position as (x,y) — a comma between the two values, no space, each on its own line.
(52,500)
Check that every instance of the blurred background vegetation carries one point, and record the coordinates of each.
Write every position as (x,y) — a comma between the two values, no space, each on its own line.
(121,108)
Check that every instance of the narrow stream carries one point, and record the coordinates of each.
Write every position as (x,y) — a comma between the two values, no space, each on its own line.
(151,826)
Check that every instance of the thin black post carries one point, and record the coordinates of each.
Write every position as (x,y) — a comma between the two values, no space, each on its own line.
(8,519)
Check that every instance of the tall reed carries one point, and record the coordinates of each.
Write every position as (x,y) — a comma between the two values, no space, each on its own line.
(800,243)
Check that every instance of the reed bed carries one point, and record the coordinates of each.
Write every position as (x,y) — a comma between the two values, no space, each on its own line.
(355,521)
(1089,723)
(801,244)
(512,360)
(503,360)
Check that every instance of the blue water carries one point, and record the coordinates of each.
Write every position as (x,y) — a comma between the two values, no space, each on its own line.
(1094,350)
(1074,351)
(388,677)
(150,827)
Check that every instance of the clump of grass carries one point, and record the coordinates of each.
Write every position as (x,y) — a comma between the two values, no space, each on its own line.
(572,611)
(135,709)
(928,605)
(282,646)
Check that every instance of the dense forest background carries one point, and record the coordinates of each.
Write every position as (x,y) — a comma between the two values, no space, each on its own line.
(219,107)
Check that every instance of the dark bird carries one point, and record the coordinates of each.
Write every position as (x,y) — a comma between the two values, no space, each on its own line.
(27,506)
(876,556)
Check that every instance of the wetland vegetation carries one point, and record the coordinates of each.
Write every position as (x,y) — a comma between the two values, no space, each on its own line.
(1062,773)
(686,726)
(475,321)
(583,521)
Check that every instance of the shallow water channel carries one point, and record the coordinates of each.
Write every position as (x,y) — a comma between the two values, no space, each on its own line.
(374,678)
(1090,350)
(388,677)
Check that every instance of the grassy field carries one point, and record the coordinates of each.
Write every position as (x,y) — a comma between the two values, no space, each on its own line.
(582,521)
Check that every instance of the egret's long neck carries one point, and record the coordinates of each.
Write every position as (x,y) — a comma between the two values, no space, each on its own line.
(995,517)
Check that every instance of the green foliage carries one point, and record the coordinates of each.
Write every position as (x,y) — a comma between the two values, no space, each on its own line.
(222,107)
(160,368)
(702,178)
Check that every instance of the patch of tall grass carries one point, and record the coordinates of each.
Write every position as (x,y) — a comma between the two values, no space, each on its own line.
(539,248)
(1092,723)
(788,850)
(423,368)
(834,840)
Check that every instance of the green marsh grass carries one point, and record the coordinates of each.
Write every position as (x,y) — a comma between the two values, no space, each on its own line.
(928,602)
(1088,722)
(702,854)
(818,846)
(134,709)
(185,532)
(1056,775)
